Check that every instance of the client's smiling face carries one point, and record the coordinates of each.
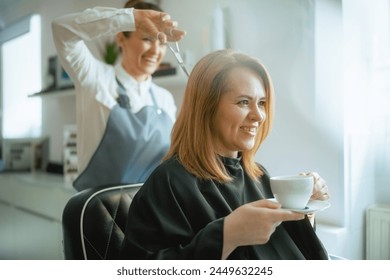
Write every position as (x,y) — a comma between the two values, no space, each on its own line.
(240,112)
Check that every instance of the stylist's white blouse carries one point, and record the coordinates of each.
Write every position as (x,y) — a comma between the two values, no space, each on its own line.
(95,85)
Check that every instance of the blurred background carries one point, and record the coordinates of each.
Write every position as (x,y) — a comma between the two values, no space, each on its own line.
(330,64)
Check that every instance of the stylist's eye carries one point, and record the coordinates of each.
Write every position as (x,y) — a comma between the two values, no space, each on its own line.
(147,39)
(262,103)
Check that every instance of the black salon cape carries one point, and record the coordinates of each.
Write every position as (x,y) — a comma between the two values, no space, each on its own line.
(178,216)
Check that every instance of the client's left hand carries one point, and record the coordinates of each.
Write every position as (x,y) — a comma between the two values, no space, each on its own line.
(320,190)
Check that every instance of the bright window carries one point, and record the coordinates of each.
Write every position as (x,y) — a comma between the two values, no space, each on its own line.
(21,76)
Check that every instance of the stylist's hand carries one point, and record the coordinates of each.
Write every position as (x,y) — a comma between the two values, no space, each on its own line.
(253,223)
(320,190)
(158,25)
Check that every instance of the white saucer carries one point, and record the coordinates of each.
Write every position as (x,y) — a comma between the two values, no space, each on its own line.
(312,206)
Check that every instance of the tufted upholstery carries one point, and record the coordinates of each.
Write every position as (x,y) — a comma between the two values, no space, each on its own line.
(94,222)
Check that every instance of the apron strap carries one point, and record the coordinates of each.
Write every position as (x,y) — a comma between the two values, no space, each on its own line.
(124,100)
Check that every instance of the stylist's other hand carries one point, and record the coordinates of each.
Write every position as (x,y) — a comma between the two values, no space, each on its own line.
(158,25)
(320,190)
(253,223)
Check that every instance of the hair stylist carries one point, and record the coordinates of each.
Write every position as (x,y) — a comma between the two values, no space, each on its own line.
(124,120)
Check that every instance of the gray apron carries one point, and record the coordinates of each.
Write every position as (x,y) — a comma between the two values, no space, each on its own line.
(132,145)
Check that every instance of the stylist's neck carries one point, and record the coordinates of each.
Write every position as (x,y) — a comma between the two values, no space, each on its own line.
(138,76)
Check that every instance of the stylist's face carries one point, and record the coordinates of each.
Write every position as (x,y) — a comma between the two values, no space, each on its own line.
(240,112)
(141,54)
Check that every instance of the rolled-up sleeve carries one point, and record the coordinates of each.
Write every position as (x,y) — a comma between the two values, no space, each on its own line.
(73,32)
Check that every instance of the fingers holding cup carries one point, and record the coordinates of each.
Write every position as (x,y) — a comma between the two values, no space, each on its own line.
(320,189)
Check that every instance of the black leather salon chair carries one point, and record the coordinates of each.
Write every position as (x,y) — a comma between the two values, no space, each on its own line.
(94,222)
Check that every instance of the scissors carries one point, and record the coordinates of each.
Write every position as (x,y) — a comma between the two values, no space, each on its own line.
(176,52)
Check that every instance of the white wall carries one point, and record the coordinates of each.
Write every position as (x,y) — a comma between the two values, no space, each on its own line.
(301,43)
(366,112)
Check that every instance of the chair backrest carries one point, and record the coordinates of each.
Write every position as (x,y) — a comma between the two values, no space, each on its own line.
(94,222)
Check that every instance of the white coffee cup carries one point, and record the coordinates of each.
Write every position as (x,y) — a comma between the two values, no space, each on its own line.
(292,191)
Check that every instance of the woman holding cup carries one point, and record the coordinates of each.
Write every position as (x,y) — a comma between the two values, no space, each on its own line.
(209,199)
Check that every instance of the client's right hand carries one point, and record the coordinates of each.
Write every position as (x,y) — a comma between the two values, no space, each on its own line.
(253,223)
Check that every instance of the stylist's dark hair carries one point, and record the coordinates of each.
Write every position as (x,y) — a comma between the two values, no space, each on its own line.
(140,5)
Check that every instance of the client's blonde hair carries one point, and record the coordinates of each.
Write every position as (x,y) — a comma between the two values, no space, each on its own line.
(192,135)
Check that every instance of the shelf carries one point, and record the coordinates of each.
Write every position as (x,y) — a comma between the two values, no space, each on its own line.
(164,72)
(54,92)
(176,78)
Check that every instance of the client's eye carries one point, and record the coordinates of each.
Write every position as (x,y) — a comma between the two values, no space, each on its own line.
(243,102)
